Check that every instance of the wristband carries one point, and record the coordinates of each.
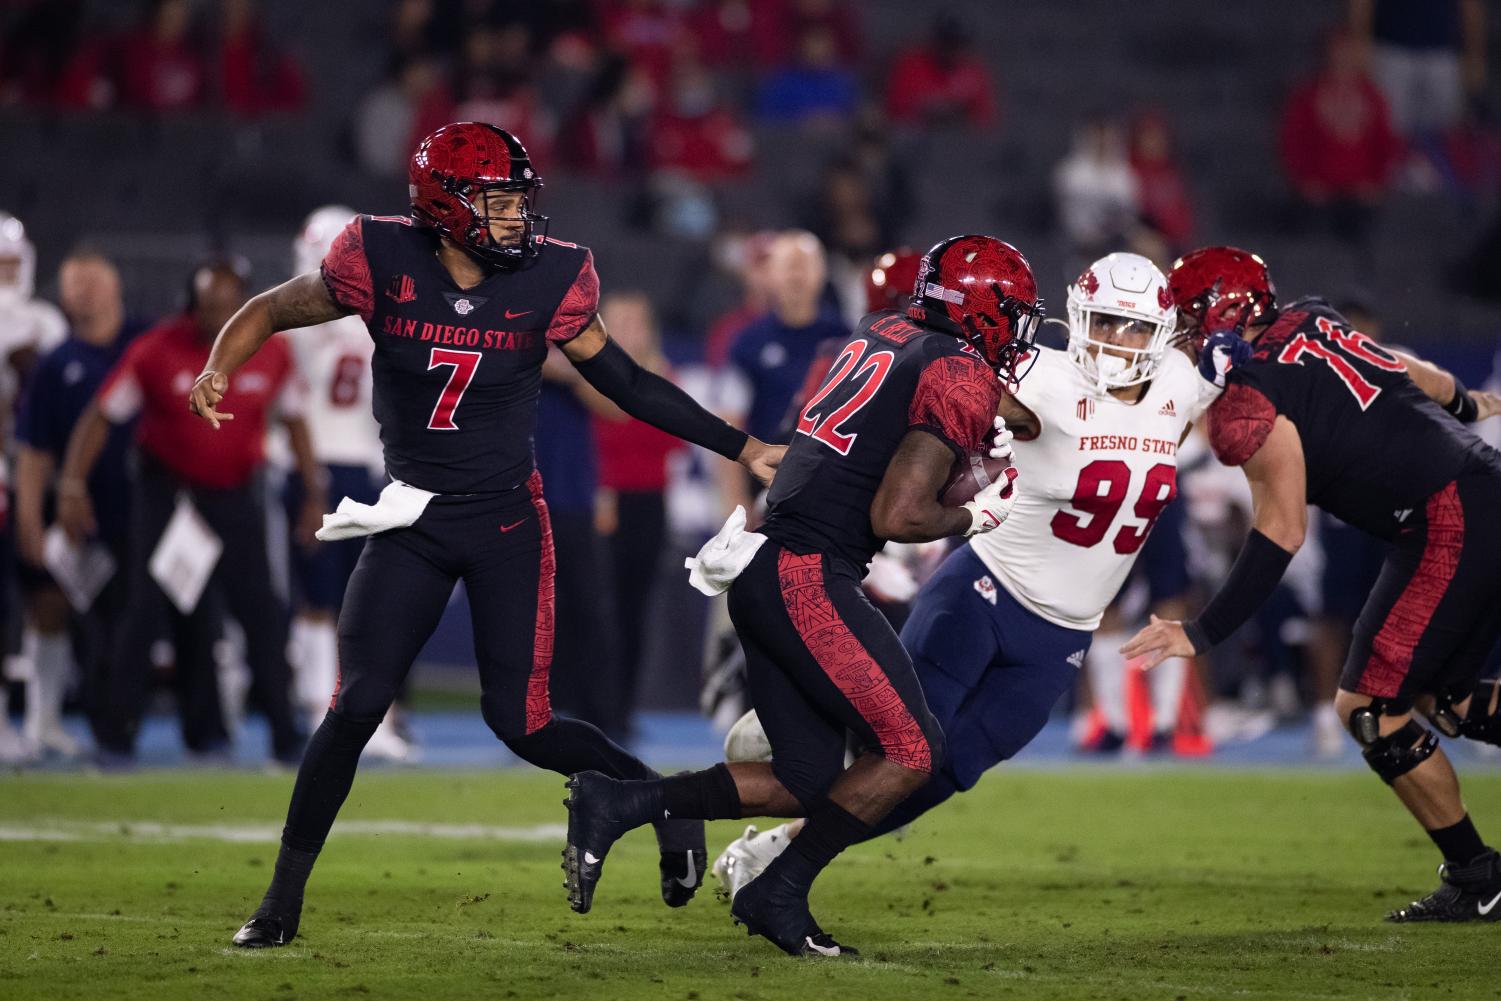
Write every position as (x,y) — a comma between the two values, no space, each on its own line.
(1463,406)
(1252,580)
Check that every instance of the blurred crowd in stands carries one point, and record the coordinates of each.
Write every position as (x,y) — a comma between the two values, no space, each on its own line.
(666,94)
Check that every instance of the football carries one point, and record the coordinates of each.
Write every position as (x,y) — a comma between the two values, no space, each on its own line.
(969,476)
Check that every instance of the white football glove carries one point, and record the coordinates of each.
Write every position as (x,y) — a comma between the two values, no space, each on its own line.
(1000,447)
(992,505)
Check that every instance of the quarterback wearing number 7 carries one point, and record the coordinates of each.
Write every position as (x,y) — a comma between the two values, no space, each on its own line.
(463,300)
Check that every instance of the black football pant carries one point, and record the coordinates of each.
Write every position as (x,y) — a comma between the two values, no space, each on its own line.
(821,660)
(500,546)
(635,558)
(241,585)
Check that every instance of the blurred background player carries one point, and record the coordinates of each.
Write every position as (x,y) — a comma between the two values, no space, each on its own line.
(62,386)
(334,361)
(1001,630)
(908,398)
(29,328)
(222,477)
(1313,416)
(462,300)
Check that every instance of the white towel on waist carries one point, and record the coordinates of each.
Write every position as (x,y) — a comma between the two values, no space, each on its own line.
(724,557)
(400,504)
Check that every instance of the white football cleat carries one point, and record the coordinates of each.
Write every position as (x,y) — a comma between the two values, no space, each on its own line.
(746,740)
(747,856)
(386,743)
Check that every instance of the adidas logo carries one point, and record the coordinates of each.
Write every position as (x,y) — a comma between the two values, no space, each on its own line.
(1076,659)
(1402,513)
(1168,410)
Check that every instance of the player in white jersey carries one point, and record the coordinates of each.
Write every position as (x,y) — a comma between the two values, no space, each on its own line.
(1001,629)
(29,328)
(334,360)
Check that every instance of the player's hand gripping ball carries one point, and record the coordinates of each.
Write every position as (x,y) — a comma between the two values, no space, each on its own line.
(988,481)
(973,474)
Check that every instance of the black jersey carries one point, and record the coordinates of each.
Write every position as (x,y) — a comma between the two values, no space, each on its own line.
(1375,446)
(890,377)
(457,371)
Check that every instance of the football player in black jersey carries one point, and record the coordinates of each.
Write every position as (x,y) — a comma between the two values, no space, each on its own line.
(462,300)
(1321,414)
(907,397)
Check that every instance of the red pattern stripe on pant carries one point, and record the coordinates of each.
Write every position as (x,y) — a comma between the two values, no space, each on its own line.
(538,699)
(1398,637)
(847,663)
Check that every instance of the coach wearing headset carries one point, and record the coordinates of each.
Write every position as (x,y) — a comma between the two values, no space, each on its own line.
(220,472)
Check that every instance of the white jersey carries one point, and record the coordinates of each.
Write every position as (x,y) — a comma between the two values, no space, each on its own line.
(1091,486)
(334,360)
(33,324)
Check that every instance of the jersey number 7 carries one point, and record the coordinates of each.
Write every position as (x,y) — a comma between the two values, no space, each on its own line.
(464,363)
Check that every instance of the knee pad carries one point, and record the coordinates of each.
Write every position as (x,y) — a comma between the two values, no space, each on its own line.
(1481,722)
(1398,752)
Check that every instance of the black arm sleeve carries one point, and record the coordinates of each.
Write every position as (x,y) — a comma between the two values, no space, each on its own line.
(1252,580)
(651,398)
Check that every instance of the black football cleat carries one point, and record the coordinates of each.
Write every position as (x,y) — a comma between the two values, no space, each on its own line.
(600,811)
(685,859)
(682,874)
(265,931)
(1471,892)
(773,908)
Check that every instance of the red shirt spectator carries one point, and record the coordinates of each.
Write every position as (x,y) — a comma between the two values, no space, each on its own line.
(154,377)
(632,455)
(253,76)
(1337,138)
(161,68)
(941,82)
(1161,193)
(776,25)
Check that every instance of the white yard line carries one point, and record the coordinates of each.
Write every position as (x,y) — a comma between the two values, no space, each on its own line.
(154,832)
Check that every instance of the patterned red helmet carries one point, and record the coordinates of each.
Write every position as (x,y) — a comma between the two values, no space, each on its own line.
(1221,289)
(465,159)
(982,290)
(889,284)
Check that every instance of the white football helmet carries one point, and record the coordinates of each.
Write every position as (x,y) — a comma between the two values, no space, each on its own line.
(17,262)
(317,236)
(1130,287)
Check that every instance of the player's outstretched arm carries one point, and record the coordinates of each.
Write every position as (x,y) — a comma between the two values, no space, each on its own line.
(653,399)
(1445,389)
(303,301)
(1277,475)
(906,507)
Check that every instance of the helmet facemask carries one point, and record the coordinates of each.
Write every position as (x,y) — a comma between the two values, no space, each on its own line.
(1126,355)
(1023,319)
(479,239)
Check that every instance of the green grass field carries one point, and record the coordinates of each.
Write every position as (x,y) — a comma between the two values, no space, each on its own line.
(1093,884)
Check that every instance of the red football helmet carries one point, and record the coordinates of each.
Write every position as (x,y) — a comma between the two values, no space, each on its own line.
(1220,289)
(889,284)
(465,159)
(980,289)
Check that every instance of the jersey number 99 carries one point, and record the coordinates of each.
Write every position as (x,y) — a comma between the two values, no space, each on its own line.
(1100,493)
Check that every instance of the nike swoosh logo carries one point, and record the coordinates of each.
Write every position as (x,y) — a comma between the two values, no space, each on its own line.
(688,882)
(1485,909)
(514,524)
(589,858)
(511,316)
